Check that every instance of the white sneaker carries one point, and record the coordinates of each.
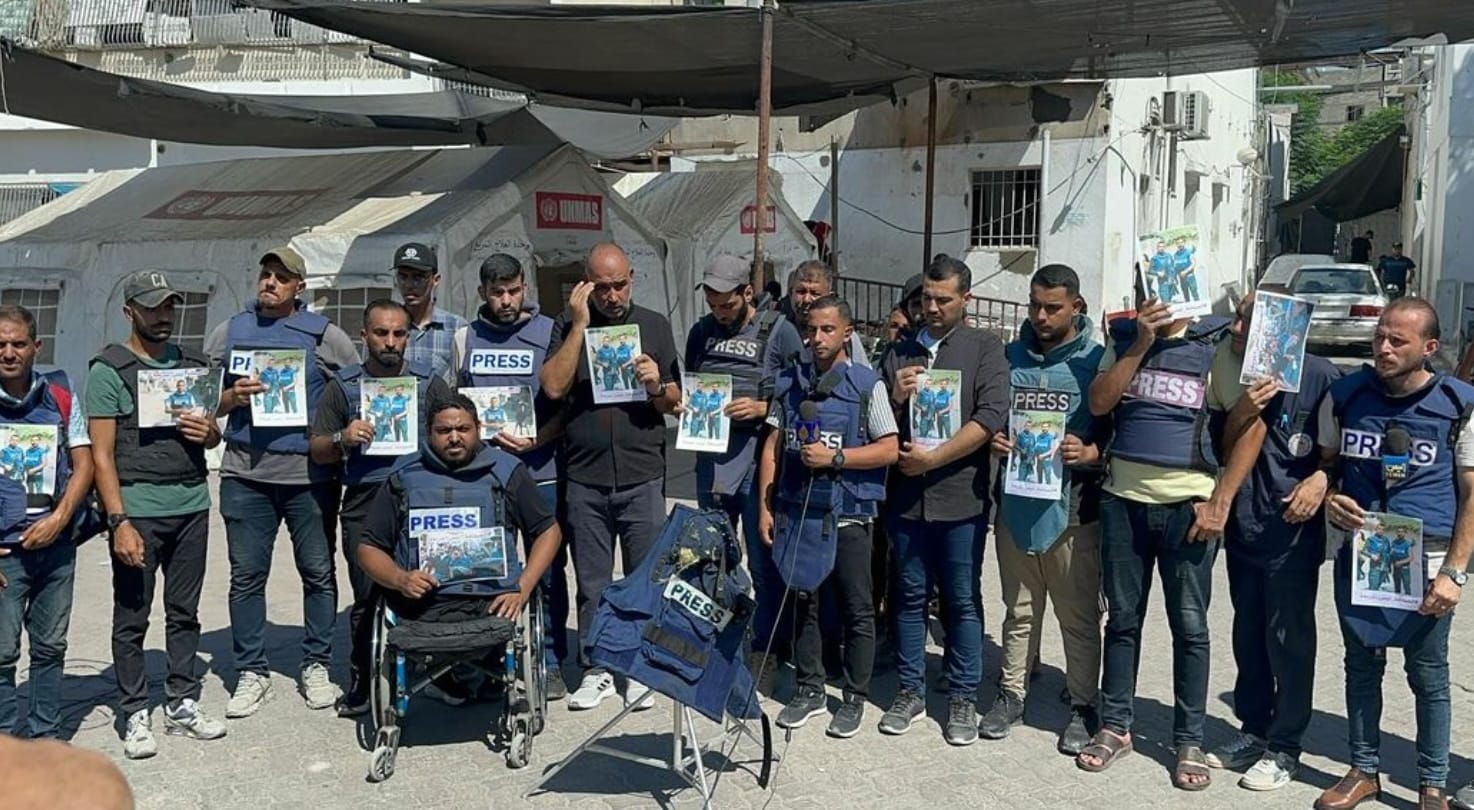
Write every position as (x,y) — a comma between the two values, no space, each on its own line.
(1240,752)
(317,688)
(638,695)
(189,720)
(1272,772)
(591,692)
(138,741)
(251,692)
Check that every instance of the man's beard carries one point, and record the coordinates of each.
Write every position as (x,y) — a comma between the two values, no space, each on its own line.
(506,317)
(388,359)
(148,337)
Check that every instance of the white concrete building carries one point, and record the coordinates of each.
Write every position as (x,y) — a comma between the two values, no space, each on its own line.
(1025,175)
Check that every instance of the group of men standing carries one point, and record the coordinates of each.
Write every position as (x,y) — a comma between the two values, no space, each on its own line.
(1166,456)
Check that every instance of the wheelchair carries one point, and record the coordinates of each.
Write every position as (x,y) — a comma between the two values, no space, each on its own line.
(408,656)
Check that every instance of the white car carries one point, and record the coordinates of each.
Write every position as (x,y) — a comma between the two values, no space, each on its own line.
(1347,302)
(1282,268)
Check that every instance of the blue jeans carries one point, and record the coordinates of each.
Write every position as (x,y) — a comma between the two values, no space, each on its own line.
(949,555)
(38,598)
(1134,538)
(1425,660)
(768,633)
(253,511)
(554,587)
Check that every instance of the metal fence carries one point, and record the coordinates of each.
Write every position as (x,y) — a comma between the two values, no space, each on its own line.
(107,24)
(19,198)
(872,301)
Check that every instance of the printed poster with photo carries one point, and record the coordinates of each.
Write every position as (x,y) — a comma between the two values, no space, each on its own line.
(1172,272)
(284,402)
(611,352)
(164,394)
(704,428)
(1276,342)
(28,457)
(1387,562)
(936,407)
(504,409)
(1036,424)
(392,406)
(456,555)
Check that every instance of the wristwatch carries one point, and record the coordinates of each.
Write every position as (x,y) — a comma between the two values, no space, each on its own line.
(1458,575)
(838,462)
(338,440)
(116,519)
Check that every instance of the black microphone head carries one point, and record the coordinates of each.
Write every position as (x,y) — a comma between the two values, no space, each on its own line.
(1396,441)
(808,410)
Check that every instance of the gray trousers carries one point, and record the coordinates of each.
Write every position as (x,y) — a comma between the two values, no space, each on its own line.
(593,517)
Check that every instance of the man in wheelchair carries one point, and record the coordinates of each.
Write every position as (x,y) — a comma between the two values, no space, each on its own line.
(441,543)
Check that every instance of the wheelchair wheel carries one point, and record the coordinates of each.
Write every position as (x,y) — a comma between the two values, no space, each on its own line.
(381,766)
(382,691)
(519,748)
(534,668)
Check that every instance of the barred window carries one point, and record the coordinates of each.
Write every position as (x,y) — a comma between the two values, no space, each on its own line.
(344,307)
(190,320)
(43,304)
(1005,208)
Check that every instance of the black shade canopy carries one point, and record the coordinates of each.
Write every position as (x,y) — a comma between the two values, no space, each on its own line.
(1370,183)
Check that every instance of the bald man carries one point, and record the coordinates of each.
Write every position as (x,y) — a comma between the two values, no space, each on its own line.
(614,454)
(48,775)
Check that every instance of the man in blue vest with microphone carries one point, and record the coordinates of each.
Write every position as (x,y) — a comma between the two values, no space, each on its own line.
(341,439)
(1275,542)
(835,434)
(753,347)
(506,345)
(1395,438)
(266,477)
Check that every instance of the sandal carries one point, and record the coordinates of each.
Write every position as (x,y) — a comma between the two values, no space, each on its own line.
(1106,746)
(1191,762)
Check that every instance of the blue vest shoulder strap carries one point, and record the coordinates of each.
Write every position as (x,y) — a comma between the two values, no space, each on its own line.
(308,322)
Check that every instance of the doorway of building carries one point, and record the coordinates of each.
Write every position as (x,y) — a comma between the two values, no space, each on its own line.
(555,284)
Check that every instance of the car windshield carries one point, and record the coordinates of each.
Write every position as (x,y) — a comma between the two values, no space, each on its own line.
(1321,280)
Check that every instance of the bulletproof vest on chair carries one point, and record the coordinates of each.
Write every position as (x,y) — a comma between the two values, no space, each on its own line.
(678,623)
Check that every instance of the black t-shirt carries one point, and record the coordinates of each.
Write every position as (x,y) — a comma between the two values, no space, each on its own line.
(1361,249)
(332,416)
(616,445)
(525,508)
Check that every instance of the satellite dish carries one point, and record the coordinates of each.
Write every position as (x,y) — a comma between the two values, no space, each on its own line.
(1248,156)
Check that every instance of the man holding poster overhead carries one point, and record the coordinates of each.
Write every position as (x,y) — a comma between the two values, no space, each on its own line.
(1049,547)
(939,499)
(343,439)
(752,347)
(1396,438)
(615,452)
(266,477)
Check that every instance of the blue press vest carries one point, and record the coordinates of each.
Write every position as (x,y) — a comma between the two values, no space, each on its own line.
(1066,372)
(1163,417)
(300,330)
(40,408)
(425,484)
(805,540)
(1431,417)
(359,468)
(1289,455)
(509,365)
(742,356)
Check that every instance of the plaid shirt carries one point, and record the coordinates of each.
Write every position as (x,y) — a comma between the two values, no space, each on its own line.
(433,344)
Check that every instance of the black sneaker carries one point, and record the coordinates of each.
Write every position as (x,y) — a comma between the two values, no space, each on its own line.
(353,704)
(962,722)
(846,722)
(557,689)
(907,706)
(807,703)
(1077,734)
(1007,712)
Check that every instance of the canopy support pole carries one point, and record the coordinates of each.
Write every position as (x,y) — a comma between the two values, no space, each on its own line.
(834,203)
(931,169)
(764,131)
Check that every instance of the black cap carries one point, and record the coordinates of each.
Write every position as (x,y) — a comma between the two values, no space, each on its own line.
(417,256)
(149,288)
(912,288)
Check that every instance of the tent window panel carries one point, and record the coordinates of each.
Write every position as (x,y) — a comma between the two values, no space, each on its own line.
(43,304)
(1005,208)
(344,307)
(190,323)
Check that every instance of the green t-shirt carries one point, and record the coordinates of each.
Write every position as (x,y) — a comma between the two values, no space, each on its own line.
(108,397)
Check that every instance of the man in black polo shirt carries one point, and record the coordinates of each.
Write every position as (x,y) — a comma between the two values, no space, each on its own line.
(614,454)
(938,499)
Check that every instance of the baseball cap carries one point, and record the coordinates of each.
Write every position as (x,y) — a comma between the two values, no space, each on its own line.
(725,274)
(912,288)
(149,288)
(415,255)
(288,258)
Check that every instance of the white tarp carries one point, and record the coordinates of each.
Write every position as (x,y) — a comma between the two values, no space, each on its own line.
(709,212)
(207,225)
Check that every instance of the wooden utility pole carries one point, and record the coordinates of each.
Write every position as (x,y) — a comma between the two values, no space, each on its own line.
(764,133)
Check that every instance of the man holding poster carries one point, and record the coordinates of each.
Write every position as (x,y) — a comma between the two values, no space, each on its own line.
(1395,438)
(1049,547)
(939,499)
(343,439)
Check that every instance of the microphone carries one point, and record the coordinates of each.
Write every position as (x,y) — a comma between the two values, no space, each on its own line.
(1395,457)
(807,426)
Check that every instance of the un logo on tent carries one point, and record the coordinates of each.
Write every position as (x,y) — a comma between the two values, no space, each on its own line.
(550,210)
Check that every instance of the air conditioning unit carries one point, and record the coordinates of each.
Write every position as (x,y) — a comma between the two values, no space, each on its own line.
(1172,110)
(1186,111)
